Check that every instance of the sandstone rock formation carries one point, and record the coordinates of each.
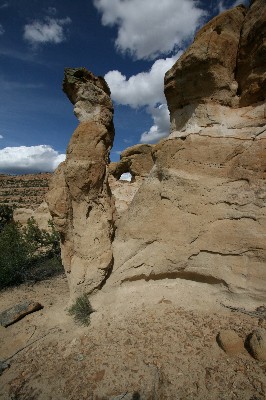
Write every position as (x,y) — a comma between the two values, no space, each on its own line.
(200,215)
(136,159)
(79,198)
(123,193)
(209,82)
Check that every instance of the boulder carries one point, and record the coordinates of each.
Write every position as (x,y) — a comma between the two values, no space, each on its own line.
(256,344)
(79,198)
(230,342)
(3,366)
(17,312)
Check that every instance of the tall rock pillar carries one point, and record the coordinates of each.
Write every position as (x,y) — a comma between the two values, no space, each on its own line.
(79,198)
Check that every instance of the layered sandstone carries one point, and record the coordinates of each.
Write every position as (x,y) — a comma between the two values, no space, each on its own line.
(208,86)
(200,215)
(137,160)
(79,199)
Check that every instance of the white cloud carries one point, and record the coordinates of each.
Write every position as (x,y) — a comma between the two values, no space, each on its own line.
(2,31)
(145,88)
(149,28)
(160,128)
(126,177)
(1,137)
(42,158)
(49,31)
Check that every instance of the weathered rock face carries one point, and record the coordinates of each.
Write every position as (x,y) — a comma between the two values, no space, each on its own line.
(136,159)
(200,215)
(222,70)
(79,198)
(205,72)
(123,193)
(251,62)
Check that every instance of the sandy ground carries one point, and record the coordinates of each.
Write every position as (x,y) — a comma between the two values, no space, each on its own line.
(154,340)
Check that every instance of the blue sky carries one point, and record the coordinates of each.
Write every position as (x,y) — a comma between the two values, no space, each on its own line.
(132,43)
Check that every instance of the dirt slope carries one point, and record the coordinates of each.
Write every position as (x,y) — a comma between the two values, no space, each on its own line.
(147,339)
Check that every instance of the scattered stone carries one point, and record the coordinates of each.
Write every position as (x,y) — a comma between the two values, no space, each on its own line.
(19,311)
(230,342)
(3,365)
(256,344)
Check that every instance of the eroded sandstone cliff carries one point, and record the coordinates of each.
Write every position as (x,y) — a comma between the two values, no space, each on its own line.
(200,215)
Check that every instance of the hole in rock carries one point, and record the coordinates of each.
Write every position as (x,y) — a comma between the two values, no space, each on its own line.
(126,176)
(218,29)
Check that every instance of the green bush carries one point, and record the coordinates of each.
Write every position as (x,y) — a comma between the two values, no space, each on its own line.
(28,253)
(81,310)
(14,255)
(6,215)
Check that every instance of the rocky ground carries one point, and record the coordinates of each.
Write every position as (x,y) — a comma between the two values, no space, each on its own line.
(146,340)
(23,190)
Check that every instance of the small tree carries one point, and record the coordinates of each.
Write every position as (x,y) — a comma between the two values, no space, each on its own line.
(14,255)
(28,253)
(6,215)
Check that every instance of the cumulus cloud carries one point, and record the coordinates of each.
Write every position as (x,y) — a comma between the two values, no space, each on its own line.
(145,88)
(160,127)
(22,159)
(149,28)
(50,30)
(2,31)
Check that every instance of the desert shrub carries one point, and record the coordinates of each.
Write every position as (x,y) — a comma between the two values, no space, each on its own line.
(81,310)
(6,215)
(28,253)
(14,255)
